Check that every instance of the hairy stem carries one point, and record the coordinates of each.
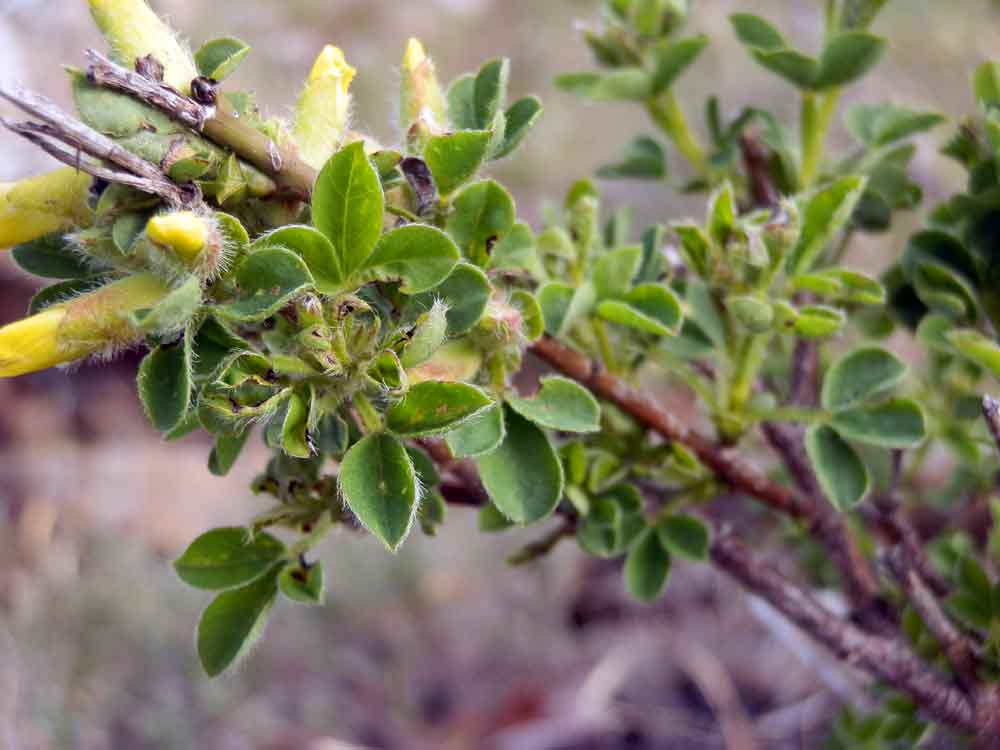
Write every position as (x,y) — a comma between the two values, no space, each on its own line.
(817,114)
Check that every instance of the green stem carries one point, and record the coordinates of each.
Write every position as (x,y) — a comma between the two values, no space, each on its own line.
(323,524)
(817,114)
(788,414)
(748,363)
(666,113)
(370,418)
(403,213)
(604,344)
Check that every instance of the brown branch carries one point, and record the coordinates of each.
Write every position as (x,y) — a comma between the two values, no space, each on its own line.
(219,122)
(883,657)
(957,648)
(67,139)
(755,158)
(860,581)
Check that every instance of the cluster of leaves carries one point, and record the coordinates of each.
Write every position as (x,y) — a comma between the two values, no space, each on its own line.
(362,331)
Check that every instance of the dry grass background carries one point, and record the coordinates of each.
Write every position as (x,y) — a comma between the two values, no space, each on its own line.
(439,647)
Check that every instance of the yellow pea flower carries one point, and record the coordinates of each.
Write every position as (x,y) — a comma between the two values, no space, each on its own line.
(89,324)
(421,98)
(40,205)
(323,108)
(184,232)
(133,30)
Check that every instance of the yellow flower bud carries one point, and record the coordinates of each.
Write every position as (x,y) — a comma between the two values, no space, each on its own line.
(40,205)
(323,108)
(184,232)
(421,98)
(92,323)
(133,30)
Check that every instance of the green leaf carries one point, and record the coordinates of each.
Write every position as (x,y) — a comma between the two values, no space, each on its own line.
(518,250)
(267,279)
(695,246)
(218,58)
(302,584)
(466,292)
(819,321)
(432,407)
(614,271)
(847,56)
(824,215)
(174,311)
(555,298)
(560,404)
(455,157)
(523,476)
(521,118)
(491,520)
(685,536)
(841,474)
(378,481)
(52,257)
(644,159)
(314,248)
(427,472)
(348,205)
(754,31)
(294,428)
(650,308)
(462,103)
(491,91)
(226,450)
(165,384)
(426,336)
(977,348)
(894,424)
(614,521)
(883,124)
(226,558)
(624,84)
(418,255)
(798,69)
(214,345)
(481,214)
(752,312)
(672,58)
(721,219)
(532,320)
(55,294)
(233,622)
(479,435)
(647,567)
(860,375)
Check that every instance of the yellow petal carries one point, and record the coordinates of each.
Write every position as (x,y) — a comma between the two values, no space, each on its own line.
(133,30)
(40,205)
(323,108)
(185,232)
(32,344)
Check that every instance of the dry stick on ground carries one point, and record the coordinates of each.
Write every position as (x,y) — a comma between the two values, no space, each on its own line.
(68,140)
(219,122)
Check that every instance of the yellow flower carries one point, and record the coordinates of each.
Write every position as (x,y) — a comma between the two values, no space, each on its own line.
(184,232)
(421,99)
(133,30)
(40,205)
(92,323)
(323,108)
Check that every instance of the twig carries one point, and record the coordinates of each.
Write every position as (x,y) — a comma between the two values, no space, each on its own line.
(883,657)
(957,648)
(755,158)
(860,580)
(66,139)
(219,122)
(991,413)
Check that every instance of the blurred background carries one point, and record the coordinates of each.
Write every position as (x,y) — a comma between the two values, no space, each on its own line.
(440,646)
